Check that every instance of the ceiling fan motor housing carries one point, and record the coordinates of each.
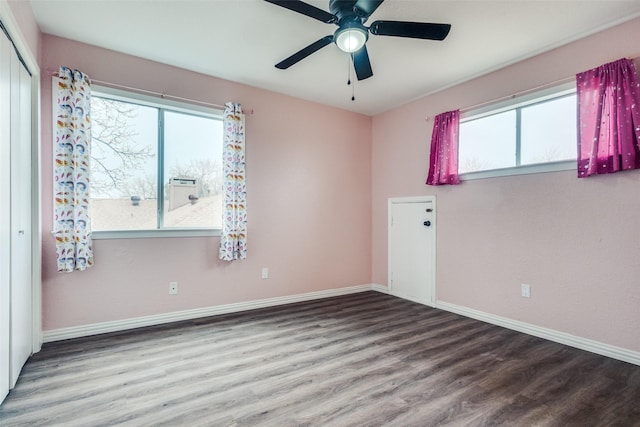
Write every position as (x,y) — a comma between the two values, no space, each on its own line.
(345,10)
(351,34)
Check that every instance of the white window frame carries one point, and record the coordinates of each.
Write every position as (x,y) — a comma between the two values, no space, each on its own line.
(511,104)
(165,104)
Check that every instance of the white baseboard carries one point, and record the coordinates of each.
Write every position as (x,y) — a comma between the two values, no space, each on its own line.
(385,290)
(380,288)
(597,347)
(138,322)
(158,319)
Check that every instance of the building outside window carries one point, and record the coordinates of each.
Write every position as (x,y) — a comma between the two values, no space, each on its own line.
(156,167)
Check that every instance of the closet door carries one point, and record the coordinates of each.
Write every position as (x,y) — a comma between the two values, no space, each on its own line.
(21,257)
(5,211)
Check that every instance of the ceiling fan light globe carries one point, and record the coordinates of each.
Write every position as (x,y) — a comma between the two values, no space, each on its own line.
(351,39)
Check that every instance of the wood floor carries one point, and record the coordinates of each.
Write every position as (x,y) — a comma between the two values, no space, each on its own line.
(366,359)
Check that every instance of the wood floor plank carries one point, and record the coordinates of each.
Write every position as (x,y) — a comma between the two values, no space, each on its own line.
(365,359)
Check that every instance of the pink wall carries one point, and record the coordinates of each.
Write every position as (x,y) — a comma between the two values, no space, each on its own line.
(576,242)
(309,199)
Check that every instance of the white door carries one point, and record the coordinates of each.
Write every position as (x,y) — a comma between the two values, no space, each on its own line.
(21,288)
(5,210)
(412,249)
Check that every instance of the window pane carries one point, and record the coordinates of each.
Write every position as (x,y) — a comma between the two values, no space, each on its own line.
(192,171)
(488,143)
(123,166)
(549,131)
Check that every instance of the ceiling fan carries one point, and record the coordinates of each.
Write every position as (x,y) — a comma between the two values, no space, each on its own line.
(352,35)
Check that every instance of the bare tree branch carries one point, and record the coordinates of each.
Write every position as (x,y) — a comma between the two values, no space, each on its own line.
(117,155)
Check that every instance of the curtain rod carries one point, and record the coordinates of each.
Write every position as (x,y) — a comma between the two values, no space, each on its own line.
(514,95)
(524,92)
(520,93)
(151,93)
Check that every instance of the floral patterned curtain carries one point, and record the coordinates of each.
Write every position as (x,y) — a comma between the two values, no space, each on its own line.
(443,166)
(233,241)
(72,118)
(608,119)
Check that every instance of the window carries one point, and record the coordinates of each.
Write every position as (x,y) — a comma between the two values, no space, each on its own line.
(537,134)
(156,168)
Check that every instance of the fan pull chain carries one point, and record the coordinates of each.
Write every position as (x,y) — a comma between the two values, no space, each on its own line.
(353,86)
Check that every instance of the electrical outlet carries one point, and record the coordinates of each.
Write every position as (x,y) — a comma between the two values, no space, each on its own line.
(173,288)
(525,290)
(265,273)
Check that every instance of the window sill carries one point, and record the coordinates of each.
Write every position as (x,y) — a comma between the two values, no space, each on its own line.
(151,234)
(520,170)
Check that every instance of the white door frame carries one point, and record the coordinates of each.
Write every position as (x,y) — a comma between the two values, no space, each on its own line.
(416,199)
(12,27)
(5,218)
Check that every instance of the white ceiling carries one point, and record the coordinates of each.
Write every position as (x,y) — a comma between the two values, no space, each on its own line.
(241,40)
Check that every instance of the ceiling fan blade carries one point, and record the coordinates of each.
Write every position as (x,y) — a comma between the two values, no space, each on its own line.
(416,30)
(362,64)
(301,54)
(306,9)
(364,8)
